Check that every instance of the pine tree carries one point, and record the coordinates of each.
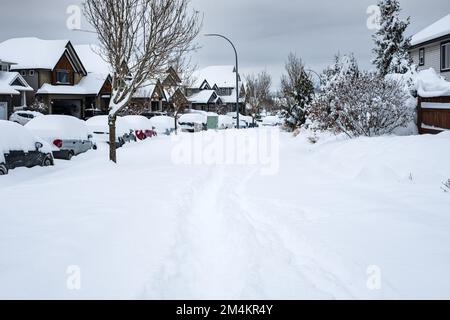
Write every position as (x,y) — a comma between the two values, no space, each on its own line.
(391,47)
(298,90)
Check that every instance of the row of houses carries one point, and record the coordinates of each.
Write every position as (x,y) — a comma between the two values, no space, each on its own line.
(74,80)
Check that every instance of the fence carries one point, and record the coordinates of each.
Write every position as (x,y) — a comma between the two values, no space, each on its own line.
(433,114)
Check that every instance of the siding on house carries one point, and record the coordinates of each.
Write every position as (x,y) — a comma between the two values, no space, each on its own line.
(432,57)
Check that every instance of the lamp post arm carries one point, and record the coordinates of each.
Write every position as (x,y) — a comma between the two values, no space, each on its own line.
(237,73)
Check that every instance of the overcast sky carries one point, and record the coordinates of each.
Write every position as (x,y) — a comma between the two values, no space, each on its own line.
(264,31)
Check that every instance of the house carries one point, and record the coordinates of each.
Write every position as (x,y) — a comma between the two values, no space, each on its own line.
(13,90)
(430,48)
(57,75)
(164,96)
(222,81)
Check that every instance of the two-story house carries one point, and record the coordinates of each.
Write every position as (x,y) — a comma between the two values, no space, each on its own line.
(13,90)
(430,48)
(56,73)
(214,89)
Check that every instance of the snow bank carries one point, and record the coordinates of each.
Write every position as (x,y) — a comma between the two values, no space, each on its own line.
(430,84)
(50,127)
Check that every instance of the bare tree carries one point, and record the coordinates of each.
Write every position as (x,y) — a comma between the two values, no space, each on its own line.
(257,93)
(138,39)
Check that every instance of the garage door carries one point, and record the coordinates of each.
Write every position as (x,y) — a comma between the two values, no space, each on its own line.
(3,111)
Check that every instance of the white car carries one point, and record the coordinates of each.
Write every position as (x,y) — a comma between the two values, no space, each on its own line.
(67,135)
(193,122)
(23,117)
(226,122)
(272,121)
(99,128)
(163,124)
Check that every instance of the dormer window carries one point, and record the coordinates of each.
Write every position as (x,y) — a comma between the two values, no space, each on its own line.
(23,73)
(62,77)
(31,73)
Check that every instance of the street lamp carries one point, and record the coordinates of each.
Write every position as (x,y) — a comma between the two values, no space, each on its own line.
(237,73)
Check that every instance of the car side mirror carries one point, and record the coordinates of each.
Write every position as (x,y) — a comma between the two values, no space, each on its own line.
(38,146)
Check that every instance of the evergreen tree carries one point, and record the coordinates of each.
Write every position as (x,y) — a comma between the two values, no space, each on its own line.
(297,90)
(391,47)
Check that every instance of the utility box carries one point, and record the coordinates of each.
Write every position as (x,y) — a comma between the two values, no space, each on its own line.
(213,122)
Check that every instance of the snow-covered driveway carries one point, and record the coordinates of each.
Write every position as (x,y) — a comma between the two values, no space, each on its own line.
(149,228)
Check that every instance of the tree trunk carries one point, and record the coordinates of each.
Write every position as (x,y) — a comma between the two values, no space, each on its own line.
(176,123)
(112,139)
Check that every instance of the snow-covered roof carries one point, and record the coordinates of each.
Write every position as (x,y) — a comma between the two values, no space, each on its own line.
(92,61)
(438,29)
(222,76)
(33,53)
(89,85)
(232,98)
(7,86)
(146,90)
(204,96)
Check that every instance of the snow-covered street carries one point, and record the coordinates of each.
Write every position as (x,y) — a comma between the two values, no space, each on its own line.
(149,228)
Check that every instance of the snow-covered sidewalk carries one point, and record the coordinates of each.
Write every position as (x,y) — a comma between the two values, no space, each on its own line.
(150,229)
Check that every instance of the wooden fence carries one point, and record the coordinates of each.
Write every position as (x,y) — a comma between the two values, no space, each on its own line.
(433,114)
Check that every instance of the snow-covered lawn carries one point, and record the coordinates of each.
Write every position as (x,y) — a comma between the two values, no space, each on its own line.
(151,229)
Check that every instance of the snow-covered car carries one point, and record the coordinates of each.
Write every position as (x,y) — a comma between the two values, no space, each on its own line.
(193,122)
(23,117)
(163,125)
(99,128)
(141,125)
(67,135)
(20,148)
(243,120)
(129,135)
(272,121)
(225,122)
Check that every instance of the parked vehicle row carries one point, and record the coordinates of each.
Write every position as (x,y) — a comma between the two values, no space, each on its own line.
(20,148)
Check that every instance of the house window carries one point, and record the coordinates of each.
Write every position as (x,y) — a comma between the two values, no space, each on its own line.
(62,77)
(31,73)
(23,73)
(422,57)
(445,57)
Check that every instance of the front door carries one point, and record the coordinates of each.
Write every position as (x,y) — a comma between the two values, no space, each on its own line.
(3,111)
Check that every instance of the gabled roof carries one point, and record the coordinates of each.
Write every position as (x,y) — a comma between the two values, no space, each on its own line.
(438,29)
(92,61)
(204,97)
(149,89)
(222,76)
(34,53)
(12,83)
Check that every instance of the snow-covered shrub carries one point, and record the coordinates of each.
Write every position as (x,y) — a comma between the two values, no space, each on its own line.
(38,106)
(359,103)
(297,91)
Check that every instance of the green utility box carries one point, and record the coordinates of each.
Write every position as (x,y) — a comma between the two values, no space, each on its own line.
(213,122)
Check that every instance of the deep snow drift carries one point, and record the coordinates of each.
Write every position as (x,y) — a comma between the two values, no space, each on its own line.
(149,228)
